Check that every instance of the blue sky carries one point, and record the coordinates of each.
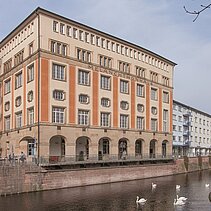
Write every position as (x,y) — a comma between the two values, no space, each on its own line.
(161,26)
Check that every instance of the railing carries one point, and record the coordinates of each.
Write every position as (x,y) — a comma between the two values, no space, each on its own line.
(45,160)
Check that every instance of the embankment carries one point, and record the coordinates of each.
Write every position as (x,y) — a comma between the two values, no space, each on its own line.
(29,178)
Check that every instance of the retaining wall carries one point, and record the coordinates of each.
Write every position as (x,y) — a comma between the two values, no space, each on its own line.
(28,178)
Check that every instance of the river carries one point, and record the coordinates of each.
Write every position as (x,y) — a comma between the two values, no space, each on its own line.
(119,196)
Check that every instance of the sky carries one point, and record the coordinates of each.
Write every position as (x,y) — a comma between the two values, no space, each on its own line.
(161,26)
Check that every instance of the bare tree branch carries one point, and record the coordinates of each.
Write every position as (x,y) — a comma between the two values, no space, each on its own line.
(197,13)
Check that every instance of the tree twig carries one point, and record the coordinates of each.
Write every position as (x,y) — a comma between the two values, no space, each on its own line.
(197,13)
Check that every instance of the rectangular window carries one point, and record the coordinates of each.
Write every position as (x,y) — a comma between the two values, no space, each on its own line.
(154,124)
(92,39)
(83,117)
(105,61)
(83,55)
(58,72)
(154,76)
(30,116)
(81,37)
(140,123)
(7,86)
(31,49)
(18,119)
(154,94)
(75,33)
(62,26)
(18,58)
(30,73)
(83,77)
(105,82)
(58,115)
(18,80)
(69,33)
(123,121)
(105,119)
(165,97)
(31,147)
(8,65)
(140,72)
(7,123)
(86,37)
(140,90)
(124,67)
(58,95)
(124,86)
(58,48)
(165,120)
(55,26)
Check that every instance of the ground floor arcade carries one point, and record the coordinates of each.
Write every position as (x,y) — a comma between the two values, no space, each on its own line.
(59,144)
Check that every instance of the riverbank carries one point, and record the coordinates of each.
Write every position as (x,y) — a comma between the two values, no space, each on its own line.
(28,178)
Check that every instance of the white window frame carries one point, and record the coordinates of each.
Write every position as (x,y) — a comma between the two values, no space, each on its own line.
(58,72)
(30,73)
(83,117)
(30,116)
(140,123)
(124,87)
(124,121)
(18,119)
(58,115)
(140,90)
(83,77)
(105,119)
(105,82)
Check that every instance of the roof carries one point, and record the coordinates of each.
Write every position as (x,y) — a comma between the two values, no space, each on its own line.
(191,108)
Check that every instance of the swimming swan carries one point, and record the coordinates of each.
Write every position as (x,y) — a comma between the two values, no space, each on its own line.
(177,187)
(154,185)
(178,202)
(207,185)
(142,200)
(182,198)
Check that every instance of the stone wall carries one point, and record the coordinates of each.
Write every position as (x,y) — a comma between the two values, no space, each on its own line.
(27,178)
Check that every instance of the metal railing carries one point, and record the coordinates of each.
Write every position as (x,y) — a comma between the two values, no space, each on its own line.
(77,159)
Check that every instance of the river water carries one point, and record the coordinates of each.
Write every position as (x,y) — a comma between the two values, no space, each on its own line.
(119,196)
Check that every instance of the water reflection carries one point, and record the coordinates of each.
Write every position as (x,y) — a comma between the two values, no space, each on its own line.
(120,196)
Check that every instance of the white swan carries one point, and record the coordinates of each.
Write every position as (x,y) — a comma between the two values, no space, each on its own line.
(178,202)
(182,198)
(142,200)
(207,185)
(177,187)
(154,185)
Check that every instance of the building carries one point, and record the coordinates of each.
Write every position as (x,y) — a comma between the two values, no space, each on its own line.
(191,131)
(73,92)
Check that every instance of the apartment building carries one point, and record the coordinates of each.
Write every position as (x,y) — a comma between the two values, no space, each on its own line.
(191,131)
(70,91)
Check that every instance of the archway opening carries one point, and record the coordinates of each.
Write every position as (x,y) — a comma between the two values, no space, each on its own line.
(56,148)
(82,148)
(139,148)
(123,149)
(152,149)
(27,145)
(164,148)
(103,148)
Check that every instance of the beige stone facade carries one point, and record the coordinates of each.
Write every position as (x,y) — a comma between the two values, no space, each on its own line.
(72,92)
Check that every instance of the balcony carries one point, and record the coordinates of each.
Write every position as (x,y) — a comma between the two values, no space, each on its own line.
(186,133)
(186,123)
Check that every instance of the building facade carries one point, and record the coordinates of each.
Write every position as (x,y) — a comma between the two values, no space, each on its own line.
(69,91)
(191,131)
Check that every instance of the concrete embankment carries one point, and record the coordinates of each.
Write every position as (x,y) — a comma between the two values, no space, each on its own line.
(27,178)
